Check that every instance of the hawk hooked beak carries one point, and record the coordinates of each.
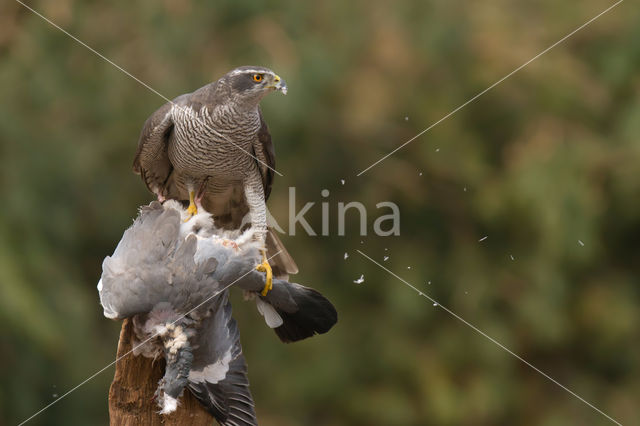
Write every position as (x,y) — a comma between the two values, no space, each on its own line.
(279,84)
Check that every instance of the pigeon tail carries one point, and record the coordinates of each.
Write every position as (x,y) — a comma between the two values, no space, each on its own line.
(315,315)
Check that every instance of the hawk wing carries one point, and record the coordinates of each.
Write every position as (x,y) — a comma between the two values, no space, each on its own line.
(265,152)
(152,156)
(152,160)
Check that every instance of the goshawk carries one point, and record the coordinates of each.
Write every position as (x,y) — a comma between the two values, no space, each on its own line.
(213,148)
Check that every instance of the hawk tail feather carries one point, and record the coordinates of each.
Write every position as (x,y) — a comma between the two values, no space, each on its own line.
(280,260)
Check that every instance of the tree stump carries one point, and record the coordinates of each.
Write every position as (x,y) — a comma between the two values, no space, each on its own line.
(131,394)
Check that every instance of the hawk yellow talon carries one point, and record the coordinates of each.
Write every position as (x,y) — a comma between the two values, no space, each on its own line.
(268,285)
(192,209)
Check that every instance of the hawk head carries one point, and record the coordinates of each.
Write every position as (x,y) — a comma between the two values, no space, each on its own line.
(251,84)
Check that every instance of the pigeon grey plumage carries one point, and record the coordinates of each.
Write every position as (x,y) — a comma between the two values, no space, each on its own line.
(172,277)
(213,148)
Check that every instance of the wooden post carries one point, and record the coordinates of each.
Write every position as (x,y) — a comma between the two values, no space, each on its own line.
(133,387)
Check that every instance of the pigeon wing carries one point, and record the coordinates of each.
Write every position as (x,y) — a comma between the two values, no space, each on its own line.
(218,376)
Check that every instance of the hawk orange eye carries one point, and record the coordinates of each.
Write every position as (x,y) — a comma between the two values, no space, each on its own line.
(257,78)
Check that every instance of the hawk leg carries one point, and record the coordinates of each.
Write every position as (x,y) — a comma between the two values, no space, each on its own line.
(254,194)
(192,210)
(195,200)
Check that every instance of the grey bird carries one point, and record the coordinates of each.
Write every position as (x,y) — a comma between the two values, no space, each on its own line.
(172,278)
(212,147)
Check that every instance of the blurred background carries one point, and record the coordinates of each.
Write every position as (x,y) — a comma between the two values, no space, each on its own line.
(546,166)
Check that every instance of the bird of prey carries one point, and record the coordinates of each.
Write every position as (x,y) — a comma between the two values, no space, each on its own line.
(213,148)
(171,277)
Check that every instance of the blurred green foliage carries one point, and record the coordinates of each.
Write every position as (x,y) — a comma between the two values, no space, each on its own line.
(547,158)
